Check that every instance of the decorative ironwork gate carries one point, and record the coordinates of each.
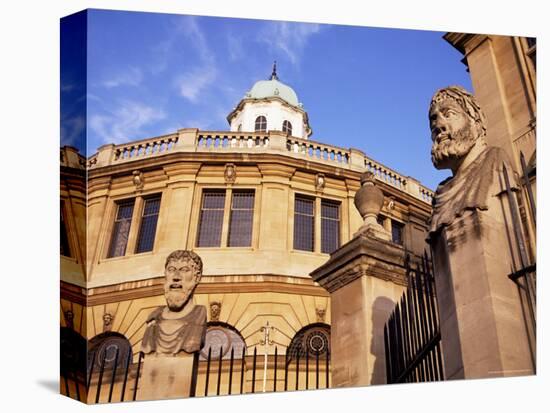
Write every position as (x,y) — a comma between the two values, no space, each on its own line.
(411,335)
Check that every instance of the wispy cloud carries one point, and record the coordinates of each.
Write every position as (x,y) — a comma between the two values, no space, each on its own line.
(288,38)
(133,76)
(127,121)
(235,47)
(72,129)
(194,81)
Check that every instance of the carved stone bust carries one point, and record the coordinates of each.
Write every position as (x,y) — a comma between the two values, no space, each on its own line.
(180,325)
(458,128)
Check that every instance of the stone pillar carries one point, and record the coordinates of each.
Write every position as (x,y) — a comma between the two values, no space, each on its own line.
(357,158)
(481,318)
(277,141)
(365,279)
(187,139)
(166,376)
(105,154)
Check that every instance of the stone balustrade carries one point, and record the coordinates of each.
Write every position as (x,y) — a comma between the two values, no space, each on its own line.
(228,141)
(149,147)
(317,151)
(193,140)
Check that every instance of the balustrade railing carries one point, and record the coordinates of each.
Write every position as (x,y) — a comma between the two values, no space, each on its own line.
(229,141)
(192,140)
(141,149)
(318,151)
(385,174)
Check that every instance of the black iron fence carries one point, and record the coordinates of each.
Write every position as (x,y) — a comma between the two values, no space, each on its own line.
(110,379)
(411,335)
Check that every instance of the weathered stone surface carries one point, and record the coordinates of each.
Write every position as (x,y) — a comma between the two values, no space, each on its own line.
(482,327)
(181,325)
(174,333)
(165,376)
(369,200)
(365,278)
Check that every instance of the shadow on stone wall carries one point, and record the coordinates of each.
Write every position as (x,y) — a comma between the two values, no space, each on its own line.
(382,308)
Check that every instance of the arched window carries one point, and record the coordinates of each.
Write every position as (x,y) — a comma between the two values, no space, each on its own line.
(287,127)
(261,124)
(313,339)
(221,338)
(104,346)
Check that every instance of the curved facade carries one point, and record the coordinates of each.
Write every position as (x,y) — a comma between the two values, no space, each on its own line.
(262,210)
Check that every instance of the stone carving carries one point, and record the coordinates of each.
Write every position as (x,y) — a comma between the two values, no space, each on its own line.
(107,321)
(215,309)
(458,128)
(138,180)
(320,312)
(69,317)
(180,325)
(369,200)
(320,182)
(481,323)
(230,173)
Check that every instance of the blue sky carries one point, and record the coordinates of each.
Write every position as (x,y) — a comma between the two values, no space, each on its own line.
(368,88)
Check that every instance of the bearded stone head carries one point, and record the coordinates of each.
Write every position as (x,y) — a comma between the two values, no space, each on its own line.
(182,271)
(457,123)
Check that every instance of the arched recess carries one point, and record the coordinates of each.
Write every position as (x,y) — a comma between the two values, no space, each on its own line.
(313,339)
(222,337)
(104,346)
(72,351)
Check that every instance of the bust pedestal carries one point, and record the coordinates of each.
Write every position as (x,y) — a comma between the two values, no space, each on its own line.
(166,376)
(365,279)
(483,332)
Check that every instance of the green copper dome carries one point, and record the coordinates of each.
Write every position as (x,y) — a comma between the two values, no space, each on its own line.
(273,88)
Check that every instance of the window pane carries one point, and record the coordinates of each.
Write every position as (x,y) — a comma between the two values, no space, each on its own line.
(148,227)
(211,219)
(304,224)
(242,214)
(397,232)
(260,124)
(330,226)
(121,229)
(287,127)
(64,239)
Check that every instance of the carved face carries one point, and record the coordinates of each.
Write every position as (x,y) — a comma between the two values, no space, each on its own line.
(453,133)
(180,282)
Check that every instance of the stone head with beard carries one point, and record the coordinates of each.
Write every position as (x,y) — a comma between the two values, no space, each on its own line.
(459,131)
(457,124)
(182,271)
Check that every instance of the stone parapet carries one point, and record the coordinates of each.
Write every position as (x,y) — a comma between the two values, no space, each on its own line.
(194,140)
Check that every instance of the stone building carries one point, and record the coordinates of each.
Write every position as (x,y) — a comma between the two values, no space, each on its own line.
(503,73)
(263,206)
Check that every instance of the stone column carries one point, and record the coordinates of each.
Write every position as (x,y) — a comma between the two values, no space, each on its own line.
(365,278)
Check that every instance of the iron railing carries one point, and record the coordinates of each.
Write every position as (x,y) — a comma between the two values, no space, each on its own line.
(238,374)
(412,338)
